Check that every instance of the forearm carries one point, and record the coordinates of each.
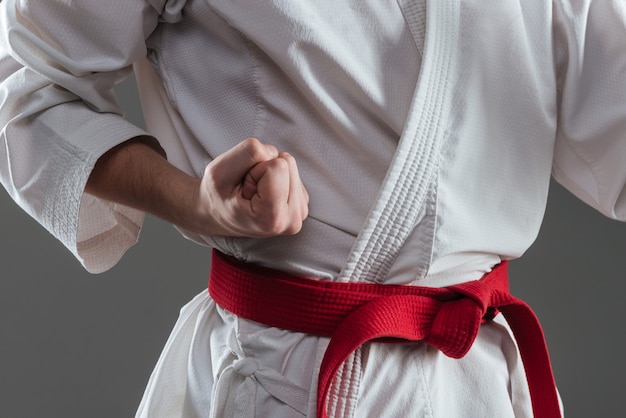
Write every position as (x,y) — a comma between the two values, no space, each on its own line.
(137,174)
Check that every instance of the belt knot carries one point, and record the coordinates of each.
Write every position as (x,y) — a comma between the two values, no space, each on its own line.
(246,367)
(455,327)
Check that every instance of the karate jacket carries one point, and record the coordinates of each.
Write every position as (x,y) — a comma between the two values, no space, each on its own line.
(496,97)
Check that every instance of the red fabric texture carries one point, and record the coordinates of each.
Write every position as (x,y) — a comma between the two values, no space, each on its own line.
(352,314)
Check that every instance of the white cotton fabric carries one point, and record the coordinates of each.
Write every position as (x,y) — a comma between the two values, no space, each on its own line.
(493,97)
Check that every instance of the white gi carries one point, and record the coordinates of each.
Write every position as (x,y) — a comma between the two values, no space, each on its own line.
(494,96)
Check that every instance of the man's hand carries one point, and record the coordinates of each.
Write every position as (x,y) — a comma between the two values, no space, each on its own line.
(253,190)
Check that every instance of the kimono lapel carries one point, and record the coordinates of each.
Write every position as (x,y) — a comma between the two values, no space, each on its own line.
(407,196)
(408,190)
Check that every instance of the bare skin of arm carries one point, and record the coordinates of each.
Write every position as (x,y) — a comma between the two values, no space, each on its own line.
(251,190)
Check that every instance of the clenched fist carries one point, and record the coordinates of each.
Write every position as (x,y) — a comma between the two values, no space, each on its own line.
(253,190)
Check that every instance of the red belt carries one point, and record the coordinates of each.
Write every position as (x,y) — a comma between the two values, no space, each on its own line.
(355,313)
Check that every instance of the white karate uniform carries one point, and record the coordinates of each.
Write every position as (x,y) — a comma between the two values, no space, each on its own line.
(490,98)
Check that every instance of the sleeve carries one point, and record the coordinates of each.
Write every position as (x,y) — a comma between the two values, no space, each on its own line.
(59,62)
(590,151)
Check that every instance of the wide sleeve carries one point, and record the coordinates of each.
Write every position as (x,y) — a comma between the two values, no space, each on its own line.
(590,152)
(59,62)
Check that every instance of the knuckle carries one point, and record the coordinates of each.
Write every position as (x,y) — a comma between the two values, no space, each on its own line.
(287,157)
(290,160)
(292,230)
(279,164)
(294,227)
(253,148)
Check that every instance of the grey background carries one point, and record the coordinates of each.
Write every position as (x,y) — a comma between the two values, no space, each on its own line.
(79,345)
